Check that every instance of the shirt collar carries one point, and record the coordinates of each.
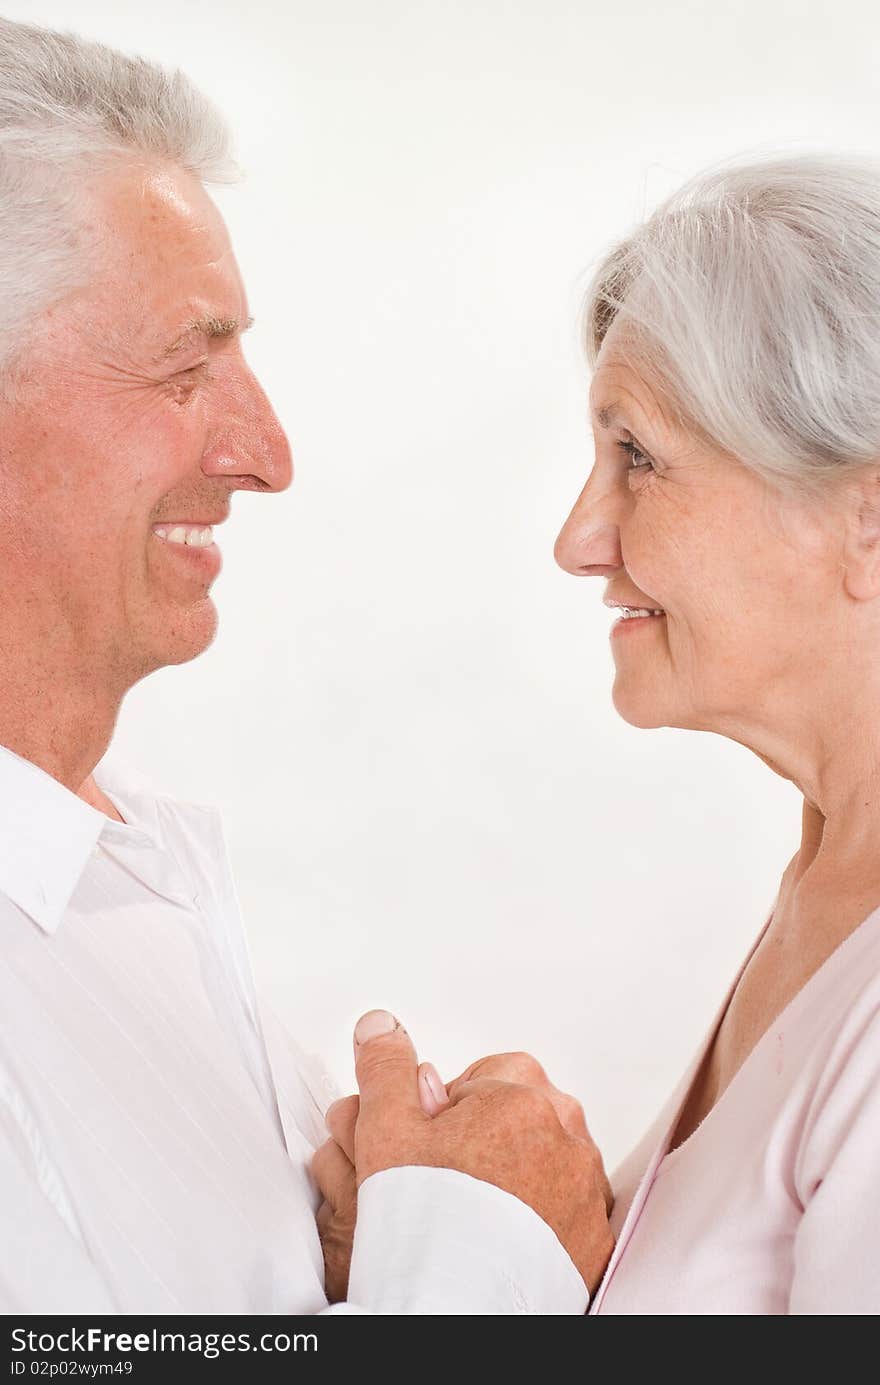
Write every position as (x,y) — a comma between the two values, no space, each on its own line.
(48,834)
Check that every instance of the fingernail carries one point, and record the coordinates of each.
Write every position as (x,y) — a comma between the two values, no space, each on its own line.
(432,1080)
(374,1023)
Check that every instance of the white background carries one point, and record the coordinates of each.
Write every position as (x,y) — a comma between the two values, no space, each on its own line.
(430,800)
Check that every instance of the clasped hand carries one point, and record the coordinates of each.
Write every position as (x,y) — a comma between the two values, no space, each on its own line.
(501,1121)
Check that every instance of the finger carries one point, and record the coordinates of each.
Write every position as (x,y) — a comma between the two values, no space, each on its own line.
(386,1068)
(333,1173)
(341,1120)
(323,1218)
(432,1091)
(460,1091)
(571,1120)
(524,1070)
(511,1067)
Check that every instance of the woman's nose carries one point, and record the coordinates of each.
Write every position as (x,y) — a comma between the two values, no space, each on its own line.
(588,545)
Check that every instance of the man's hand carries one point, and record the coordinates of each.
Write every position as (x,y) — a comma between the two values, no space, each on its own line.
(503,1123)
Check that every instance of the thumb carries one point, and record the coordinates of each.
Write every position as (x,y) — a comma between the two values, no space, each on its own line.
(387,1068)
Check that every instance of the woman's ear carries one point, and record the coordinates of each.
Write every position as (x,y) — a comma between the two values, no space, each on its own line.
(860,558)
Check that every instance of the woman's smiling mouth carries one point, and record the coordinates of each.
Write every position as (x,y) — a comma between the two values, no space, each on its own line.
(633,615)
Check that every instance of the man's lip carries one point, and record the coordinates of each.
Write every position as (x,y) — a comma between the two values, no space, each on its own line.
(204,558)
(189,523)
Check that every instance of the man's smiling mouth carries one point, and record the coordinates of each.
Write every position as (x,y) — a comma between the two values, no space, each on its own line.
(193,535)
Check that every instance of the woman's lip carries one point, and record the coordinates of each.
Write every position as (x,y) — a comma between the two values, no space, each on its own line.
(635,620)
(616,604)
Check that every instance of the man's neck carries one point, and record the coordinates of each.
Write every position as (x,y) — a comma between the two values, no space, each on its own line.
(61,730)
(96,798)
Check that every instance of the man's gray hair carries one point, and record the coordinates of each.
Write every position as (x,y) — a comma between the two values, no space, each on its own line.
(751,299)
(69,108)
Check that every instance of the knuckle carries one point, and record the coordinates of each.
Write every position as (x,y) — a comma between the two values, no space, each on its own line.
(571,1109)
(380,1065)
(510,1067)
(528,1068)
(526,1104)
(477,1069)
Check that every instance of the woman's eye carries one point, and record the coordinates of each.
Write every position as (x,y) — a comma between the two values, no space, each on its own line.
(639,458)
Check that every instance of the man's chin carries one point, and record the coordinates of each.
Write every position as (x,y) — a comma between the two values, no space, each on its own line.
(187,634)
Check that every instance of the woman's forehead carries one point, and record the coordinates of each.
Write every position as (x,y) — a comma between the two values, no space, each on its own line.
(619,394)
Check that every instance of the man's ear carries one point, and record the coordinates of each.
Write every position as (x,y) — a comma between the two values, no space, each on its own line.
(860,557)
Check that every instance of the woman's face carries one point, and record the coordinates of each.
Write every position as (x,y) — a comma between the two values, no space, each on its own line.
(749,585)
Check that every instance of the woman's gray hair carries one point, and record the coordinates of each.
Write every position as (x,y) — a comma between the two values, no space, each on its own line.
(751,299)
(69,108)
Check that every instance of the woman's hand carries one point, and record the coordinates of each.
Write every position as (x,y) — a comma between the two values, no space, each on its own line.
(503,1122)
(333,1171)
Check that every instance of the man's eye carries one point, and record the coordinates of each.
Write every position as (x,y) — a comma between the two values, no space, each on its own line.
(639,458)
(185,381)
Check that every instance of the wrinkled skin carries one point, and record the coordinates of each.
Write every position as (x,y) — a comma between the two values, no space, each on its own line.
(504,1122)
(107,433)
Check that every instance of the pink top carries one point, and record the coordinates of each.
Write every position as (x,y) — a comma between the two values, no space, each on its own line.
(772,1205)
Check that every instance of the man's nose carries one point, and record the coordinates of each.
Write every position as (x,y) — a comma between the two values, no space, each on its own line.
(589,541)
(251,447)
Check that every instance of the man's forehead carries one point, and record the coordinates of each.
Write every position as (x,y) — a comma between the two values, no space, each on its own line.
(168,273)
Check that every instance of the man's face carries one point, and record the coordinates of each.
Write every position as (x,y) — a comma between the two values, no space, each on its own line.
(136,413)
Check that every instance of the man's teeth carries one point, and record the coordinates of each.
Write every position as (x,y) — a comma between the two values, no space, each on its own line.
(193,535)
(630,612)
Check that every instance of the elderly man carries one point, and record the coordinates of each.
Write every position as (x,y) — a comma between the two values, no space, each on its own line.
(156,1130)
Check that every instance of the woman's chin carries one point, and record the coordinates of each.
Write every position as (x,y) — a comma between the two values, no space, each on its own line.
(638,706)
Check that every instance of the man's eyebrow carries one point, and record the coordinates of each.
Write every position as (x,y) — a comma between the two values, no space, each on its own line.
(209,327)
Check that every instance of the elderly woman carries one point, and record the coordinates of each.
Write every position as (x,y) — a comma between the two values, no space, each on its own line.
(734,513)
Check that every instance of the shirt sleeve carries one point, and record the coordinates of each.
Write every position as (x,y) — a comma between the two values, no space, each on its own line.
(837,1245)
(429,1240)
(433,1241)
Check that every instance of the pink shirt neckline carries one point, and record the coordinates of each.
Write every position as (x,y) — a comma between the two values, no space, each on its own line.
(796,1002)
(660,1157)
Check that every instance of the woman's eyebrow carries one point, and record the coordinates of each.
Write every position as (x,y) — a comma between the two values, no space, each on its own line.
(607,416)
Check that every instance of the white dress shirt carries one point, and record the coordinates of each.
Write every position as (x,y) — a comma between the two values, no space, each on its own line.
(156,1125)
